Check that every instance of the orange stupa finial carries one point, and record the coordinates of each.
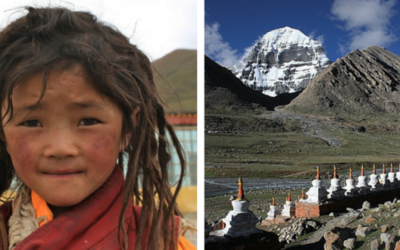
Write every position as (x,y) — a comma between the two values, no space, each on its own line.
(240,195)
(374,169)
(351,174)
(273,202)
(317,173)
(391,167)
(383,169)
(289,198)
(362,170)
(303,195)
(334,172)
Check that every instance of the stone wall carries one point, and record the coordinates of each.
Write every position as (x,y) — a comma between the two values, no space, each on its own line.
(310,210)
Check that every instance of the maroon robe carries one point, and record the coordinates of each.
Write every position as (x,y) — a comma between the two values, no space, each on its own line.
(92,224)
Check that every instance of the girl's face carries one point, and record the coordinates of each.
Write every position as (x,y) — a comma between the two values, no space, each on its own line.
(65,147)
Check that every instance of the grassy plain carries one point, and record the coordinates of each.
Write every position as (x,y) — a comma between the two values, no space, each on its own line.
(293,154)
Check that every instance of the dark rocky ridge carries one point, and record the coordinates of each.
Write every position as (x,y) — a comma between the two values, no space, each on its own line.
(224,91)
(362,84)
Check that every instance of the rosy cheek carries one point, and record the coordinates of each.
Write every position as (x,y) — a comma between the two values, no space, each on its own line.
(21,152)
(104,148)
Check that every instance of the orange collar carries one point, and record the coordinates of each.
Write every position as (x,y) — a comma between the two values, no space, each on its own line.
(41,208)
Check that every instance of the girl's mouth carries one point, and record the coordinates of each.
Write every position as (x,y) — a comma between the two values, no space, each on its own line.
(63,173)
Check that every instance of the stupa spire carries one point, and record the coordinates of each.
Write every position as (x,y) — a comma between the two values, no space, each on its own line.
(289,198)
(351,174)
(317,173)
(374,169)
(362,170)
(391,167)
(334,172)
(240,196)
(383,169)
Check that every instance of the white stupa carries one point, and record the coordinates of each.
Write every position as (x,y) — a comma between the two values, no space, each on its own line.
(374,181)
(335,190)
(362,183)
(289,209)
(351,190)
(317,193)
(392,178)
(240,221)
(398,174)
(383,180)
(303,196)
(273,211)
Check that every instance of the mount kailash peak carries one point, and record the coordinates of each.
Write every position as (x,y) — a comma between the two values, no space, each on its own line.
(282,61)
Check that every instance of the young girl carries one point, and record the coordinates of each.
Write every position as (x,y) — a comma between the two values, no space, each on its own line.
(76,97)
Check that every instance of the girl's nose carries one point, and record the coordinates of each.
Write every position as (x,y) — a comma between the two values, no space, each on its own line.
(60,144)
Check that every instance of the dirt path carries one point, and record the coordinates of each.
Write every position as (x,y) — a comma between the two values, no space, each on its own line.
(311,126)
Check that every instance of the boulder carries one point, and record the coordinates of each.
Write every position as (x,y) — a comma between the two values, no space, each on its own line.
(362,231)
(349,243)
(397,246)
(370,219)
(385,228)
(388,204)
(349,218)
(387,240)
(366,205)
(375,244)
(335,238)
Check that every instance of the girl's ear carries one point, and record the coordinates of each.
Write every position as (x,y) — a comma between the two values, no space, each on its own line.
(135,118)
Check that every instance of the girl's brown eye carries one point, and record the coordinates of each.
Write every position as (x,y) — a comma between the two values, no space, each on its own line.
(88,122)
(32,123)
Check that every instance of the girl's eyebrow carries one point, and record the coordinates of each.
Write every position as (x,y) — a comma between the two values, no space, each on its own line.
(88,104)
(77,105)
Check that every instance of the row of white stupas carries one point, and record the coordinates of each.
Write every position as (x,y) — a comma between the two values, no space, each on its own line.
(318,194)
(384,181)
(242,222)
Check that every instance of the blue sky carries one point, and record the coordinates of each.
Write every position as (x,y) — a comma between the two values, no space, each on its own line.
(233,26)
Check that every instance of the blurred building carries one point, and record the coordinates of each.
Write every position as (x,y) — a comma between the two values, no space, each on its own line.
(185,126)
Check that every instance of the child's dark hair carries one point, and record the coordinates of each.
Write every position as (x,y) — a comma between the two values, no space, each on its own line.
(49,39)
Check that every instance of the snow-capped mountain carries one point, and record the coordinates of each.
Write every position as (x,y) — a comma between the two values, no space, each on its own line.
(283,61)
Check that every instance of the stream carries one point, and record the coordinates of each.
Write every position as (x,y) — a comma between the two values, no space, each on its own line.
(221,186)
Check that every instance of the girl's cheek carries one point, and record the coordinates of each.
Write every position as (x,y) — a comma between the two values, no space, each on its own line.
(21,152)
(104,148)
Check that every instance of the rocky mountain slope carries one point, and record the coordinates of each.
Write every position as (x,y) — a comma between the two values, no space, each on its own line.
(363,84)
(282,61)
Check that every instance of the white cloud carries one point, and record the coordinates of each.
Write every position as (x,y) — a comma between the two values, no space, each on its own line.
(218,49)
(321,39)
(156,26)
(318,38)
(368,22)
